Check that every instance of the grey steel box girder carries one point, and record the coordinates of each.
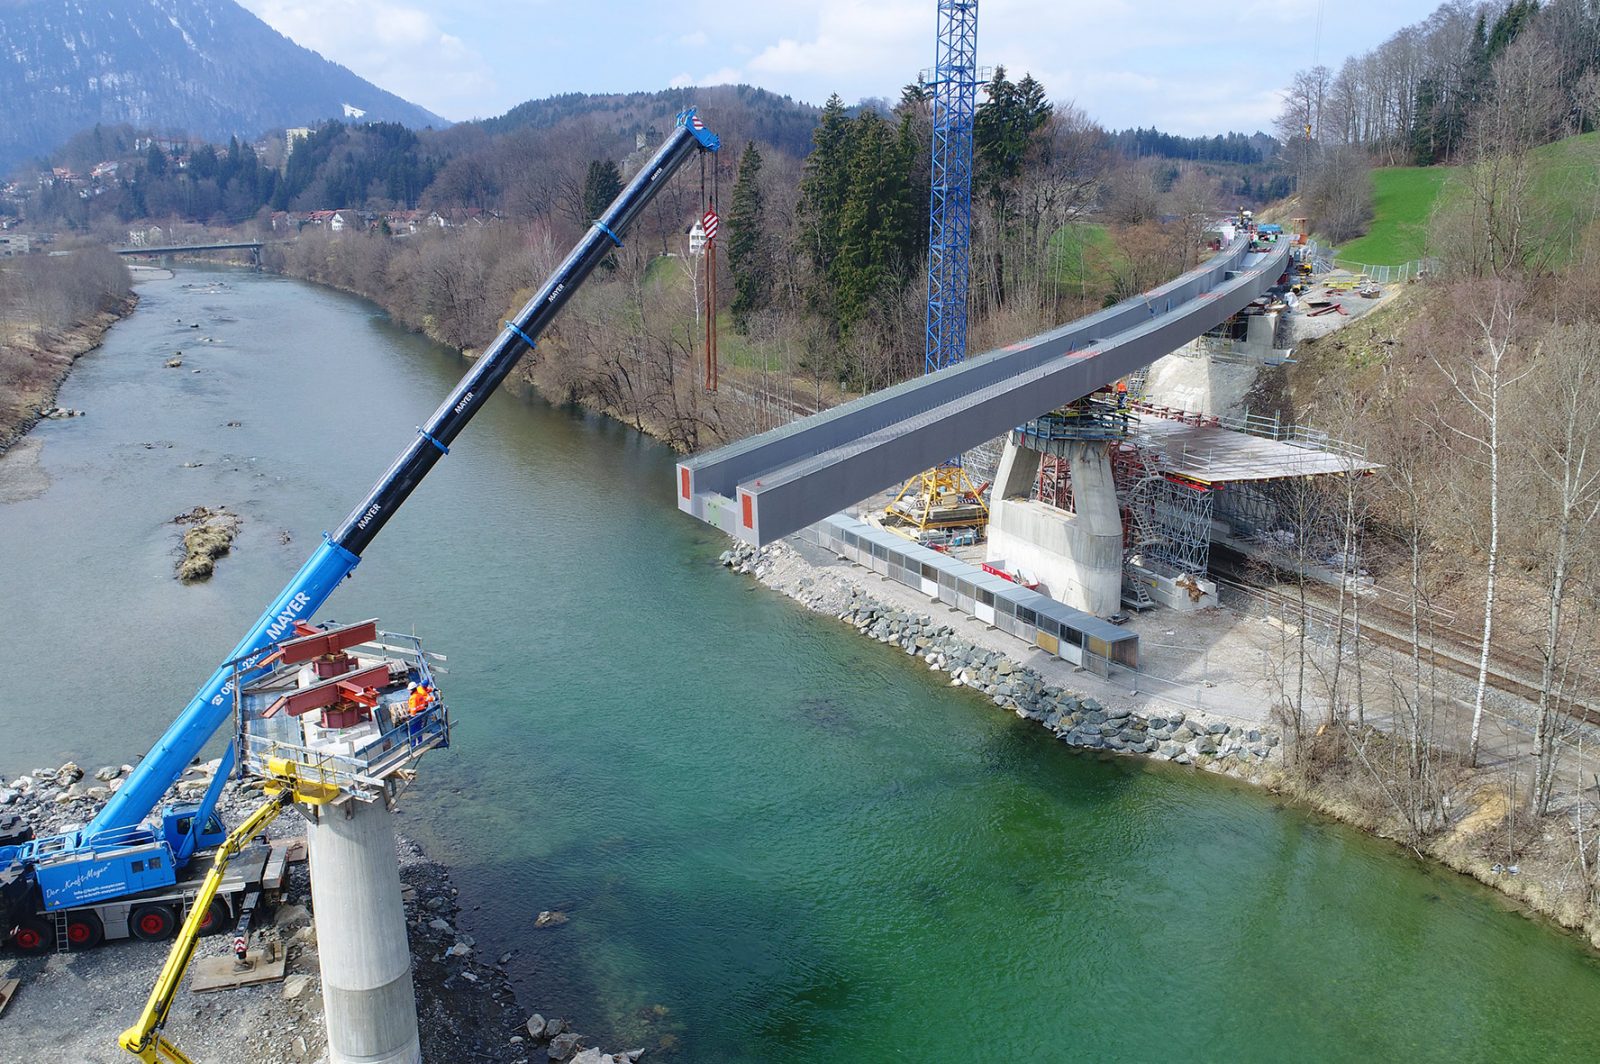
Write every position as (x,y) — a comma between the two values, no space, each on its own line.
(803,472)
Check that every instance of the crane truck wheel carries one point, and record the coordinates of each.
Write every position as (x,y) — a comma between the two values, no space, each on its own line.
(152,923)
(33,935)
(84,931)
(217,918)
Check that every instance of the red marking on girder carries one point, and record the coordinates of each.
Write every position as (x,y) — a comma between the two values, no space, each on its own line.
(683,480)
(747,505)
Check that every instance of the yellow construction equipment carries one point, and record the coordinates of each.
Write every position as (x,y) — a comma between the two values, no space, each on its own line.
(144,1038)
(941,498)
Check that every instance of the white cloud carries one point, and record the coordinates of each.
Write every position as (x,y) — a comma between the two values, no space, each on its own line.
(1183,66)
(852,39)
(722,76)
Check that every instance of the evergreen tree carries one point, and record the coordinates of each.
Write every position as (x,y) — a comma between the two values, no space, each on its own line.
(155,161)
(1003,132)
(878,227)
(823,188)
(601,185)
(912,151)
(203,163)
(747,242)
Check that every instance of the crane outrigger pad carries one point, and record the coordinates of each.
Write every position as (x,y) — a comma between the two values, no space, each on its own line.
(8,990)
(264,964)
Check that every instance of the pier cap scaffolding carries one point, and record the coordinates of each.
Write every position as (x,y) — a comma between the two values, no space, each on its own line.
(1214,455)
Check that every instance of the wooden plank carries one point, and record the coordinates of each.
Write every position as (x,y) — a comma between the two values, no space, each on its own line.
(8,990)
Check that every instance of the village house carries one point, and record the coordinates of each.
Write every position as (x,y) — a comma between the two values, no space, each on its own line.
(149,236)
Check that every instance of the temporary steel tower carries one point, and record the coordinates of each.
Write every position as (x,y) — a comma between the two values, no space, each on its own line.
(955,96)
(943,497)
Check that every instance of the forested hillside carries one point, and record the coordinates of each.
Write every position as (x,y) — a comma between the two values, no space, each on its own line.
(824,254)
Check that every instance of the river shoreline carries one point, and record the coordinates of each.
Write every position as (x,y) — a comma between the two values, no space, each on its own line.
(1542,885)
(1538,889)
(424,948)
(466,1006)
(55,359)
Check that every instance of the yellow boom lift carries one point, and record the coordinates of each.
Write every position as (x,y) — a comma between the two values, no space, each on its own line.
(144,1039)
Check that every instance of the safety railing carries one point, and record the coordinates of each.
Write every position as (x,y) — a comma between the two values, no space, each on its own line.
(402,735)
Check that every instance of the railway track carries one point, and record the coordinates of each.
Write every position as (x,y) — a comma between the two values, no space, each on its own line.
(1452,649)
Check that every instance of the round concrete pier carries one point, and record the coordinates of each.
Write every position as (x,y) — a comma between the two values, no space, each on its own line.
(368,1002)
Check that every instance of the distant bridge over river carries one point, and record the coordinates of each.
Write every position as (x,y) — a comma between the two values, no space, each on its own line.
(253,246)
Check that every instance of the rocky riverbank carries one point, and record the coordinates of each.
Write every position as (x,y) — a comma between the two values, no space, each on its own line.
(31,372)
(1182,736)
(72,1006)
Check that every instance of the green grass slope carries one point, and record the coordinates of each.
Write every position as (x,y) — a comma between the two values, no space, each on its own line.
(1566,191)
(1403,199)
(1565,197)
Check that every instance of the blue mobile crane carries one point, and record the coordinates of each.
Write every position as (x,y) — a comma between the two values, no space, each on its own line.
(110,878)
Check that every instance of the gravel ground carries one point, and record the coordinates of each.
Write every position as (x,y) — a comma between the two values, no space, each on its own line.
(71,1007)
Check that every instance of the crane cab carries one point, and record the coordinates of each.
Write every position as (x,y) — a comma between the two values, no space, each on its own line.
(177,822)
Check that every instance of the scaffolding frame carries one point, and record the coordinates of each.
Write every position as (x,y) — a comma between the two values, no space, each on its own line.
(1182,518)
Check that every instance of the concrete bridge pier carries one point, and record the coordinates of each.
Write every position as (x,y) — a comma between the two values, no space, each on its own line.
(1076,556)
(368,1001)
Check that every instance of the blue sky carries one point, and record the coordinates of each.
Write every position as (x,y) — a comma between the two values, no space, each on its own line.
(1184,67)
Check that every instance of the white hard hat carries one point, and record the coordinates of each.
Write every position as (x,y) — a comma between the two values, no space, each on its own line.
(411,686)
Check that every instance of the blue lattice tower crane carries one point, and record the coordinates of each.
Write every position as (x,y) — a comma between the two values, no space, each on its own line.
(955,96)
(943,497)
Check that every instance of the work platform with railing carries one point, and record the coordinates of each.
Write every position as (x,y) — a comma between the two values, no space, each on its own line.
(347,710)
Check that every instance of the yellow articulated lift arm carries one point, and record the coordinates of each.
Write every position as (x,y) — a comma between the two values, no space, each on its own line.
(144,1039)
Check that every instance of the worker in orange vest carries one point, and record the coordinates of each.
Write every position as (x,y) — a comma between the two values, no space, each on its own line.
(421,698)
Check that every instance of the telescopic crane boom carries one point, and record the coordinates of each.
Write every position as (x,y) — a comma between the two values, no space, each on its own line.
(340,553)
(96,850)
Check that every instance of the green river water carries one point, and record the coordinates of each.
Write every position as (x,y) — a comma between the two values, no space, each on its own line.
(775,840)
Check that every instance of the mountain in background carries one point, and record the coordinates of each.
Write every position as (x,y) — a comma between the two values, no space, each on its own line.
(207,68)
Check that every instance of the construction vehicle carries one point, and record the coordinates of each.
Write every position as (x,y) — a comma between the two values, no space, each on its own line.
(98,881)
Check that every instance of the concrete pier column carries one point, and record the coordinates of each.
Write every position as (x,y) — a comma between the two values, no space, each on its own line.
(368,1001)
(1076,556)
